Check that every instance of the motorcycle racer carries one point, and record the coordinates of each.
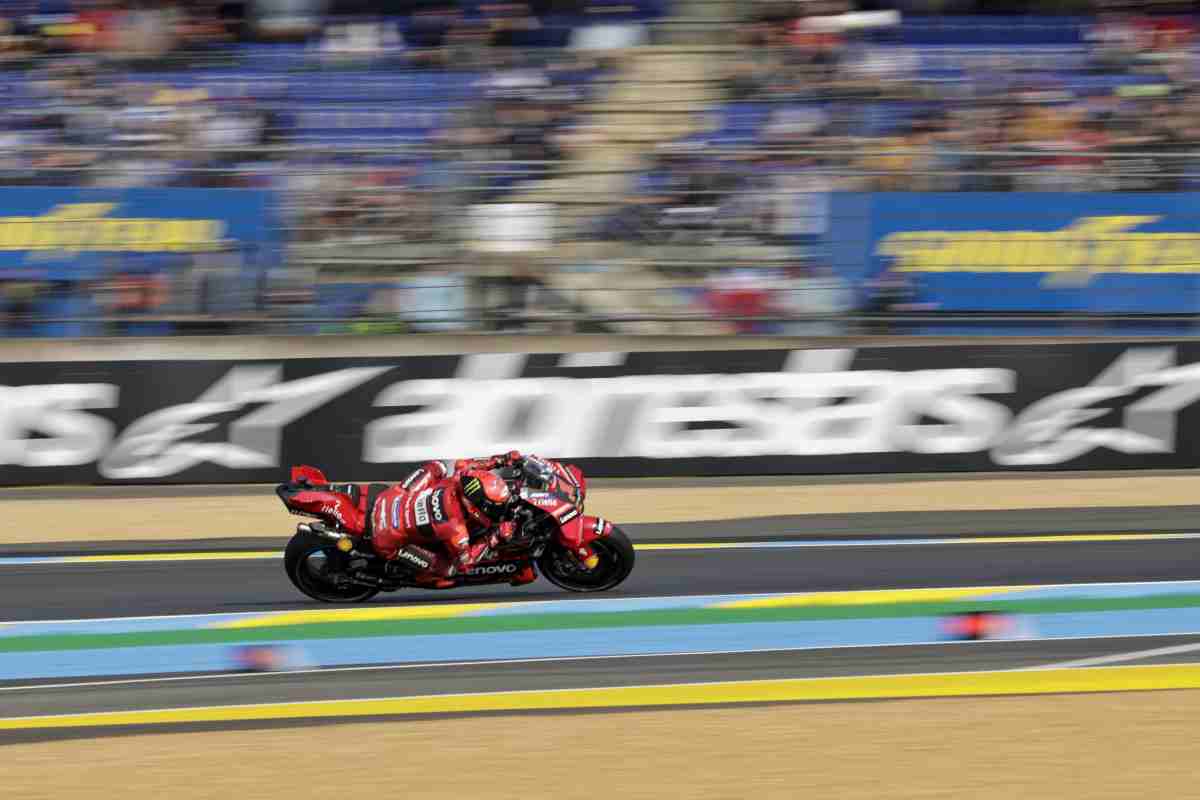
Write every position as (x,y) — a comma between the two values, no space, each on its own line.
(437,506)
(462,511)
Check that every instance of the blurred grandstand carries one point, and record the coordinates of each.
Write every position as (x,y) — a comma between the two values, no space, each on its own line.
(626,165)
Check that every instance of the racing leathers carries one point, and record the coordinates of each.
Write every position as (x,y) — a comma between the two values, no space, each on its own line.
(463,509)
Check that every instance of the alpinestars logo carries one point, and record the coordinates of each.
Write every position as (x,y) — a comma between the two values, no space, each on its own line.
(157,445)
(813,405)
(817,405)
(1054,429)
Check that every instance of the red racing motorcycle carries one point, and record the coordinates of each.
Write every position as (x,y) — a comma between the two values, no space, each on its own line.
(333,565)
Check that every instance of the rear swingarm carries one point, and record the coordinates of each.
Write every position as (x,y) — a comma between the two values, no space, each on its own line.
(361,578)
(356,575)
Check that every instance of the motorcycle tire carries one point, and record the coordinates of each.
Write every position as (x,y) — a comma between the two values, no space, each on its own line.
(307,556)
(616,562)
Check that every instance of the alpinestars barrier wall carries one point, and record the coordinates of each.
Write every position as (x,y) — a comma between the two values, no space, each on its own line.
(893,409)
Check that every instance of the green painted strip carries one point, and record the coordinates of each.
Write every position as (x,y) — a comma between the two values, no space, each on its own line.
(544,622)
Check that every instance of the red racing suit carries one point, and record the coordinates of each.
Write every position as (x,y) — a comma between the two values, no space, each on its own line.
(428,508)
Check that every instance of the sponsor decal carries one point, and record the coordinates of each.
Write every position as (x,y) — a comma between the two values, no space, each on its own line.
(412,478)
(396,504)
(421,508)
(412,558)
(571,514)
(335,512)
(543,499)
(493,569)
(435,506)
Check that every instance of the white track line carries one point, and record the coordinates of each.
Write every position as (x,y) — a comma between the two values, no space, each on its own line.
(1117,658)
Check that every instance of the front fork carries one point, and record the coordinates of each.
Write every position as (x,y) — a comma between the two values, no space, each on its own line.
(577,536)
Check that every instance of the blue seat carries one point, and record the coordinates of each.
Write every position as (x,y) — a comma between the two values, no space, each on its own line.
(383,137)
(988,30)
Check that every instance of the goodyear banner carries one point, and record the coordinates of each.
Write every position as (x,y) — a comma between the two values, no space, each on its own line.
(1026,251)
(78,233)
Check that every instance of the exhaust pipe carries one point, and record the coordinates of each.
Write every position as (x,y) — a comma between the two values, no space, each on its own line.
(320,530)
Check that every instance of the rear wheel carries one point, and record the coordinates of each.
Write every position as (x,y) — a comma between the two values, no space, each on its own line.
(312,562)
(616,562)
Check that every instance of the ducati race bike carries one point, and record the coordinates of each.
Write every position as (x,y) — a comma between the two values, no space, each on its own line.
(333,565)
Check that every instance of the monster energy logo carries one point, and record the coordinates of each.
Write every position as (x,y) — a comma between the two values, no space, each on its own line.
(473,486)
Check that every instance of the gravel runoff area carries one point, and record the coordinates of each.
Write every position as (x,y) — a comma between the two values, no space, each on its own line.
(103,513)
(1097,746)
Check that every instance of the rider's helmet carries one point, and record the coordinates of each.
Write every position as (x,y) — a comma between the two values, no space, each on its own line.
(486,496)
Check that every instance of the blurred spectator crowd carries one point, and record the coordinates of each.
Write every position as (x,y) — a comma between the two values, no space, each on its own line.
(383,123)
(1105,103)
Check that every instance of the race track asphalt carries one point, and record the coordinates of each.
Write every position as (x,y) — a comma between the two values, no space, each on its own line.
(74,591)
(79,591)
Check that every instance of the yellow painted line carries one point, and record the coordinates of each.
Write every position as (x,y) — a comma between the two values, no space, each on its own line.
(869,597)
(960,684)
(694,546)
(1069,537)
(358,615)
(452,610)
(864,541)
(216,555)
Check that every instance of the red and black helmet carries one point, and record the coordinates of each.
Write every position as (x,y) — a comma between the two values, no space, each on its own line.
(485,494)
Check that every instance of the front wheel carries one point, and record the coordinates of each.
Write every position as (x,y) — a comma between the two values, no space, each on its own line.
(312,561)
(616,562)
